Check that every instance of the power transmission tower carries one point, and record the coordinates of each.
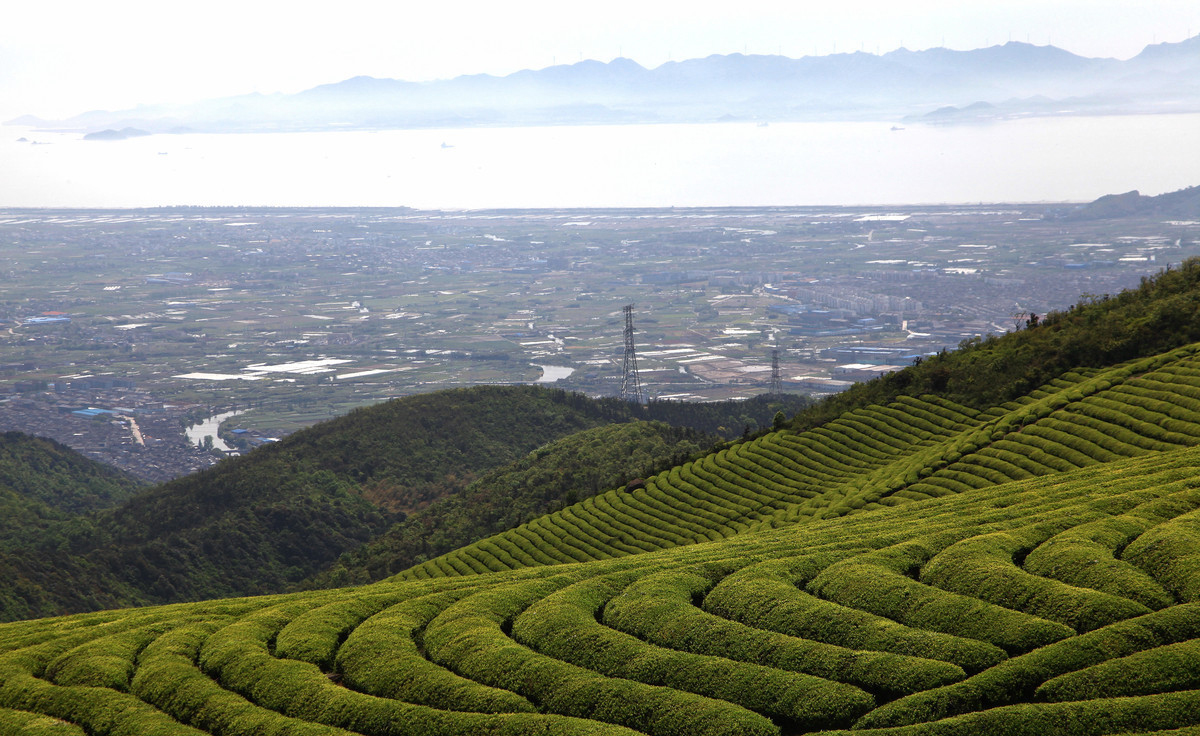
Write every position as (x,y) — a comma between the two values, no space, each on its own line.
(776,377)
(631,385)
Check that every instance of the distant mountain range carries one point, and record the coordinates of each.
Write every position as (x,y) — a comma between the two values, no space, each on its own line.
(935,85)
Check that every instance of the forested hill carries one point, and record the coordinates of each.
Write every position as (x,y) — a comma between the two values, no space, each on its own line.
(553,476)
(41,470)
(267,520)
(42,484)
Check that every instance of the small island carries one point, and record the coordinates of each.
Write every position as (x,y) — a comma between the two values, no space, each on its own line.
(115,135)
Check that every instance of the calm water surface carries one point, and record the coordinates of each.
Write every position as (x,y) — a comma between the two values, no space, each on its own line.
(1041,159)
(208,428)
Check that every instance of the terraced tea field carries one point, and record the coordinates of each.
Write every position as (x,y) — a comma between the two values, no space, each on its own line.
(868,459)
(919,568)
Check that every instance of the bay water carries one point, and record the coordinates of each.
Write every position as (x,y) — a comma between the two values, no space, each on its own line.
(1057,159)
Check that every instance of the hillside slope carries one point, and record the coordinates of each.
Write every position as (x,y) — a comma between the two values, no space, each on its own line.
(1182,204)
(553,476)
(42,471)
(1097,332)
(907,451)
(45,486)
(1056,605)
(270,519)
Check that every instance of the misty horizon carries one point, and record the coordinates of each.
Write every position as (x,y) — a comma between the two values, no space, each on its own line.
(588,69)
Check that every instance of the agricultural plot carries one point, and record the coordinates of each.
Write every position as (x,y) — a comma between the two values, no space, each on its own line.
(797,583)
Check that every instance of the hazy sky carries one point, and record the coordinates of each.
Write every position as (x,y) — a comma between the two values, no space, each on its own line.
(61,57)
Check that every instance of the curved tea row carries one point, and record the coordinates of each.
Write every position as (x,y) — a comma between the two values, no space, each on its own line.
(964,614)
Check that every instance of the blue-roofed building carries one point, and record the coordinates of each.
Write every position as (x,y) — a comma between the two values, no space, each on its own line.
(92,413)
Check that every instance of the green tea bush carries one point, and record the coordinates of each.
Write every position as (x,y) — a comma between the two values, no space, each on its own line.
(877,583)
(982,567)
(617,537)
(535,547)
(806,457)
(1083,556)
(1071,449)
(169,678)
(104,662)
(650,528)
(1131,442)
(315,635)
(405,674)
(1170,553)
(1017,678)
(765,596)
(709,507)
(1037,449)
(1147,405)
(468,637)
(1163,669)
(644,534)
(1003,470)
(98,711)
(659,608)
(1141,421)
(1085,718)
(24,723)
(237,657)
(1017,460)
(563,625)
(1073,425)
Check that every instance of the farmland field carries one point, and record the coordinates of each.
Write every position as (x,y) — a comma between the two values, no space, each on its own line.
(179,314)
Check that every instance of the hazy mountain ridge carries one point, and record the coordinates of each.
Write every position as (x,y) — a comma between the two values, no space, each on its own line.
(1184,203)
(1018,78)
